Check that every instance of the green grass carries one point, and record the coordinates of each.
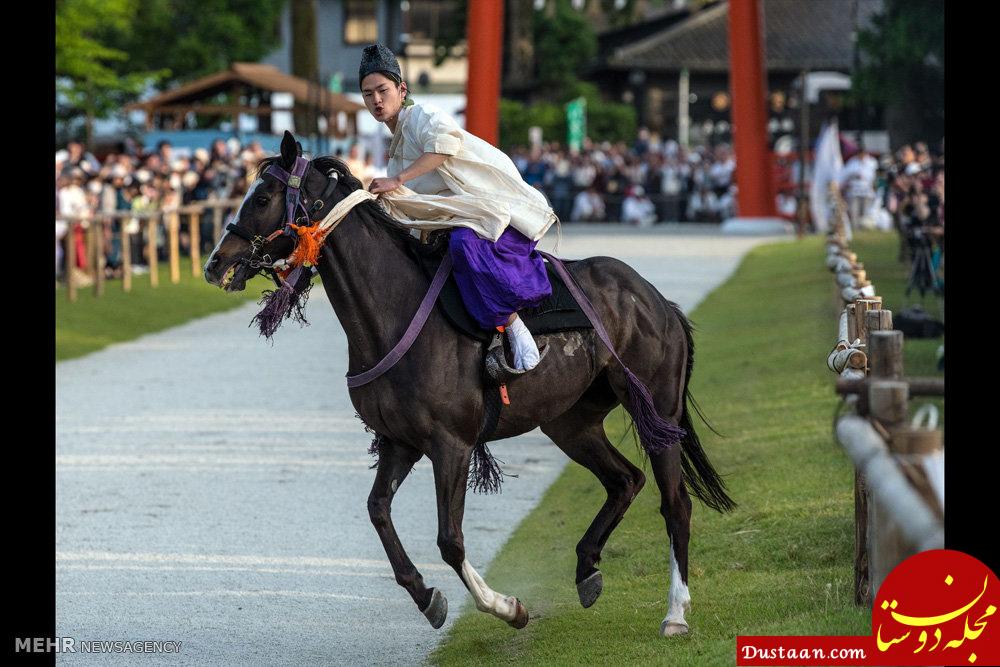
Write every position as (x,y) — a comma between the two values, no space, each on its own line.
(92,323)
(781,563)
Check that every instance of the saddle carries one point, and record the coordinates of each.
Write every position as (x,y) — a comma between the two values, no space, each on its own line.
(557,312)
(560,311)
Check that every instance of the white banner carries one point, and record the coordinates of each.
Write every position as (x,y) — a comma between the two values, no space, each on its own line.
(827,163)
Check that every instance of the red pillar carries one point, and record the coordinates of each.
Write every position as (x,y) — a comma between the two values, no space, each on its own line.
(748,87)
(484,36)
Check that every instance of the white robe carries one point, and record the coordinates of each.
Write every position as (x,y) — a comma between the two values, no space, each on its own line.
(478,186)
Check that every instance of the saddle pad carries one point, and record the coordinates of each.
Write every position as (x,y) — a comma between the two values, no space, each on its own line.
(557,312)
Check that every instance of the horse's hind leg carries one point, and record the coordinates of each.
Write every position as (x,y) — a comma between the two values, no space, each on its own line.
(580,433)
(675,506)
(394,464)
(451,474)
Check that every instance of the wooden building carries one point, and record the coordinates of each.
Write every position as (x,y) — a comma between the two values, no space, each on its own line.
(682,53)
(247,88)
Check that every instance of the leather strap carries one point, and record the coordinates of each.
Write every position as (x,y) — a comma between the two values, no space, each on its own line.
(585,305)
(412,331)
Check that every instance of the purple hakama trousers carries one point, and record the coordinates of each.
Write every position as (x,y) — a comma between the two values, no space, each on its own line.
(497,279)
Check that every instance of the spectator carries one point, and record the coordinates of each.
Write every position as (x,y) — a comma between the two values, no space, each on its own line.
(588,206)
(561,189)
(637,209)
(857,180)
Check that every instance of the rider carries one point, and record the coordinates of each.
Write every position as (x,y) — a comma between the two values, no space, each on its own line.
(432,155)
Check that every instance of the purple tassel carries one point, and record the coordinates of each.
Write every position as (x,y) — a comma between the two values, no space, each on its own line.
(655,433)
(285,302)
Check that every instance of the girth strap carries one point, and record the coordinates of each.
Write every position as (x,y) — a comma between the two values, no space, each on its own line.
(412,331)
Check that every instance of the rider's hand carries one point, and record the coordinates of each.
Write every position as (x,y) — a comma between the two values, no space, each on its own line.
(379,185)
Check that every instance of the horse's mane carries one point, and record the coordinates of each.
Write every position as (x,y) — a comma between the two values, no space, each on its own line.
(370,212)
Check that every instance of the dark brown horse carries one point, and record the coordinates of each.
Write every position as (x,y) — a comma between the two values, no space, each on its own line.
(431,402)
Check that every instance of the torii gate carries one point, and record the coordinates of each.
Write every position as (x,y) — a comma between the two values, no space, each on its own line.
(484,36)
(748,87)
(747,84)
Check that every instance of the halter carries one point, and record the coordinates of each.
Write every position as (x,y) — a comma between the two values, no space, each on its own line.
(295,200)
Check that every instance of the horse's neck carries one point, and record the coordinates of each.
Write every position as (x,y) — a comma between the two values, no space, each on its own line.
(374,286)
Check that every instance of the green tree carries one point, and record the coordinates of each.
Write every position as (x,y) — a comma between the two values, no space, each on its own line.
(192,38)
(88,73)
(903,68)
(564,44)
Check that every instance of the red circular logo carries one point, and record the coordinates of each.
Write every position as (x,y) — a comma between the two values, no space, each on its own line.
(938,607)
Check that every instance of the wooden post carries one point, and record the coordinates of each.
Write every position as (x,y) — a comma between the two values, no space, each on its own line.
(70,256)
(861,307)
(852,324)
(878,320)
(154,265)
(97,232)
(126,257)
(195,231)
(216,224)
(885,354)
(862,585)
(887,402)
(173,228)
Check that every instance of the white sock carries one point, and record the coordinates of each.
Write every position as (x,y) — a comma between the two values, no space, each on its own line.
(525,349)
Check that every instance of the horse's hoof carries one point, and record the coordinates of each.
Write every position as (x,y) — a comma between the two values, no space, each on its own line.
(520,617)
(590,589)
(672,629)
(437,610)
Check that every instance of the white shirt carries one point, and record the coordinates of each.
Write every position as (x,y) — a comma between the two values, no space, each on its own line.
(73,201)
(859,175)
(477,176)
(587,206)
(638,210)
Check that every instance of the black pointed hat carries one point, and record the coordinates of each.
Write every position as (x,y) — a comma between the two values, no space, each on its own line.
(378,58)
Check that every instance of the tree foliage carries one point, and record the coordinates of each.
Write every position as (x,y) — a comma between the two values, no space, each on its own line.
(564,44)
(92,77)
(903,66)
(192,38)
(110,51)
(606,121)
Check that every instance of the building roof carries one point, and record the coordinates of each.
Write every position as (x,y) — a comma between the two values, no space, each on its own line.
(799,34)
(254,75)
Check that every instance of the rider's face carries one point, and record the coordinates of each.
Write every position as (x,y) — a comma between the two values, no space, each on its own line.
(382,96)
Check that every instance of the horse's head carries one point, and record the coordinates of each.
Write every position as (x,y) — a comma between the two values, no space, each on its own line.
(288,189)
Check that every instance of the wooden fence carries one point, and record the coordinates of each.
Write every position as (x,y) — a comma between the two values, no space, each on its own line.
(99,227)
(899,464)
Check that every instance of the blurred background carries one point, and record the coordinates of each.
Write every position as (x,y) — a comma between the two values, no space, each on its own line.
(619,111)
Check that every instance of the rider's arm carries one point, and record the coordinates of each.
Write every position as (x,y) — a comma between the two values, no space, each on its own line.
(425,163)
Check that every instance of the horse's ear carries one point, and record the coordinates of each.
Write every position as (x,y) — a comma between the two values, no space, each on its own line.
(298,146)
(288,151)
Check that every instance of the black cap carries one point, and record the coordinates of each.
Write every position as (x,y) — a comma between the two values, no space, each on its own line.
(378,58)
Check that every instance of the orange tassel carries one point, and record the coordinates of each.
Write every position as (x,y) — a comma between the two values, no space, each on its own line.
(307,250)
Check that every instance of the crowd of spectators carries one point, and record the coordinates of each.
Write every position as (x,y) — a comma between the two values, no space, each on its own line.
(160,179)
(912,186)
(639,183)
(140,181)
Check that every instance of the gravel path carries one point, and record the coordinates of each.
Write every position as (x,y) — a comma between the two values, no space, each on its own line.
(191,507)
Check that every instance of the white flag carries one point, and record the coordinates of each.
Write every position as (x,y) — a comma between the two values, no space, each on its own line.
(827,164)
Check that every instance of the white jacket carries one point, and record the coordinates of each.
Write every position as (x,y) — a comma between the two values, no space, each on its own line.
(478,185)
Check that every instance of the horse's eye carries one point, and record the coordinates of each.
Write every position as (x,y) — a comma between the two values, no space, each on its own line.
(261,201)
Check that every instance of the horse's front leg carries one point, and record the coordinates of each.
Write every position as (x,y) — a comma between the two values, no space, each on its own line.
(451,473)
(394,464)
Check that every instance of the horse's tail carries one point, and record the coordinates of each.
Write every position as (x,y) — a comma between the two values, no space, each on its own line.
(699,474)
